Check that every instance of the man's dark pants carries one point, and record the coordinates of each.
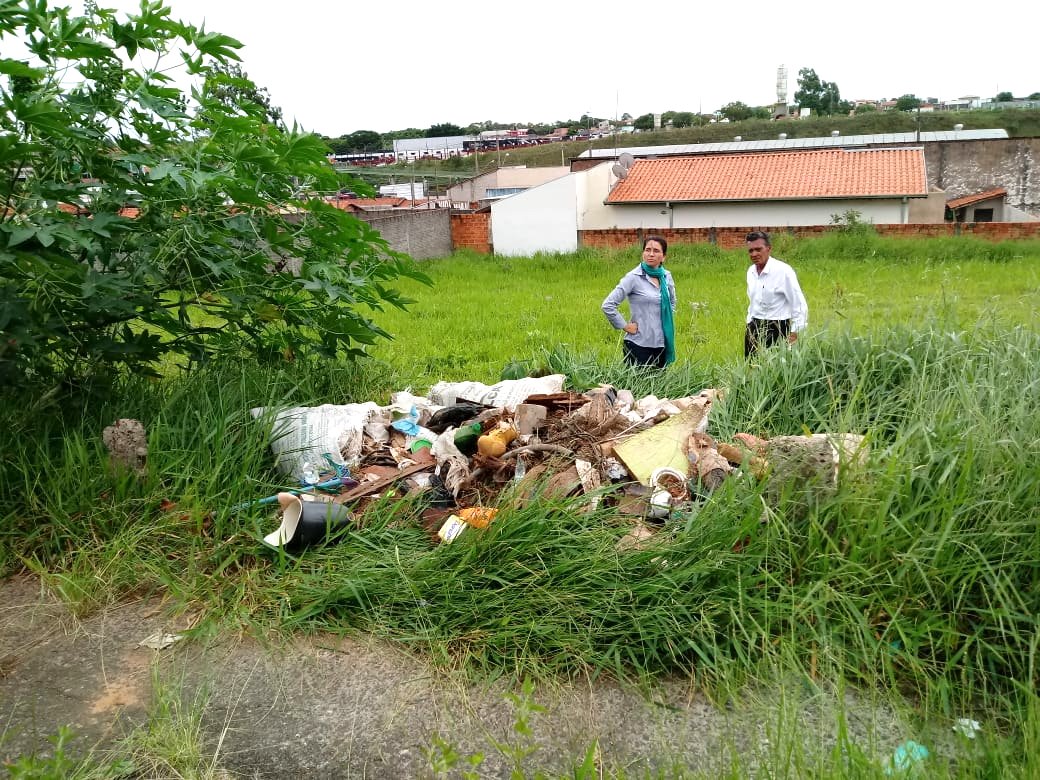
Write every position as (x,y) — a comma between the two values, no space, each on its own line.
(764,333)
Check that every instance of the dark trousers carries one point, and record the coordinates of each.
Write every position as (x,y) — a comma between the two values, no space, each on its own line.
(764,333)
(643,356)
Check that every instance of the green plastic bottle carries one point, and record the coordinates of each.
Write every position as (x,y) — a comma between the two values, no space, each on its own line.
(466,438)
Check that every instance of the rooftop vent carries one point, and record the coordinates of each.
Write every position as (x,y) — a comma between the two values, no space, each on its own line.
(783,136)
(835,133)
(738,138)
(958,126)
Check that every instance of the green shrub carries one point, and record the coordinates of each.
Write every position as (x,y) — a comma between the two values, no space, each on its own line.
(138,222)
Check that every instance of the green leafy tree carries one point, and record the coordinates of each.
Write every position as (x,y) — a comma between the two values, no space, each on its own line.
(139,223)
(736,111)
(810,90)
(684,119)
(1034,96)
(443,130)
(907,102)
(644,122)
(228,84)
(365,140)
(1004,97)
(408,132)
(822,97)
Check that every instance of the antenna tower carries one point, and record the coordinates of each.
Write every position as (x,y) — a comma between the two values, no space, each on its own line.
(781,85)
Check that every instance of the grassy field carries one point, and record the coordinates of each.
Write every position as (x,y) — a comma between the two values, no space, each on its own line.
(1018,123)
(486,312)
(919,580)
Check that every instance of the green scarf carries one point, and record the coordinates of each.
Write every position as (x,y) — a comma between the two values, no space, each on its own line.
(666,311)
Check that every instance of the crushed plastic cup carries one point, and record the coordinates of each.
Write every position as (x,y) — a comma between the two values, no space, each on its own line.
(408,425)
(309,474)
(905,757)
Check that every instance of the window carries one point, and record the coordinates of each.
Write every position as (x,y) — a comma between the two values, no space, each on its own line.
(983,215)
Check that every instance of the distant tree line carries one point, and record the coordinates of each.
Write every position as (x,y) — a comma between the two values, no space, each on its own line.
(821,97)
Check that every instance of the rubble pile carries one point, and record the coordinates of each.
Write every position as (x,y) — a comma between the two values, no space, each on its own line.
(462,446)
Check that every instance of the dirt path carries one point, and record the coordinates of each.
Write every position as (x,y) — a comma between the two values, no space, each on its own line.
(328,707)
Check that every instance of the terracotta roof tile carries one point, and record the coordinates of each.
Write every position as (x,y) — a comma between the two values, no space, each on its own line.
(820,173)
(368,204)
(967,200)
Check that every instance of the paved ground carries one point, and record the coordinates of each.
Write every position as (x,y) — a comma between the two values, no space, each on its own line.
(328,707)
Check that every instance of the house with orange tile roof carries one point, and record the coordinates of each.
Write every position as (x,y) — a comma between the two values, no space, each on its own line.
(988,206)
(777,188)
(793,188)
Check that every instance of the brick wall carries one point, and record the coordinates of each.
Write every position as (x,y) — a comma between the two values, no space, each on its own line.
(733,237)
(423,233)
(471,231)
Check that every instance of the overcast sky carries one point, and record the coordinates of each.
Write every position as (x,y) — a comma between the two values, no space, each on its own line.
(353,65)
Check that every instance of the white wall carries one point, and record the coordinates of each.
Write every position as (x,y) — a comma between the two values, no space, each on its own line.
(592,187)
(541,219)
(744,214)
(517,176)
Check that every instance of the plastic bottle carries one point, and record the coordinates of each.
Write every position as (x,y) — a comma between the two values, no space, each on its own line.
(520,471)
(466,438)
(494,442)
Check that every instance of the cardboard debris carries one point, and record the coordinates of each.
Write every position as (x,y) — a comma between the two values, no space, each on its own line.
(662,446)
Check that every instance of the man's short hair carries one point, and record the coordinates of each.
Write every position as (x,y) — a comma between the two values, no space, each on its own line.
(755,235)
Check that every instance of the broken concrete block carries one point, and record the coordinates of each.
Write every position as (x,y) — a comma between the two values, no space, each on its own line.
(529,418)
(813,459)
(127,445)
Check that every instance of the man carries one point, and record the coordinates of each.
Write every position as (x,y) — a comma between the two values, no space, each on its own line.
(776,307)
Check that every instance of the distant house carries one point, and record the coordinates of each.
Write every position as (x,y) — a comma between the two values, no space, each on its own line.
(732,190)
(357,205)
(782,188)
(985,206)
(479,191)
(963,103)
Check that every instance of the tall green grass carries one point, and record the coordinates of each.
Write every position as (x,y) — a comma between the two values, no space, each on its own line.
(487,311)
(919,576)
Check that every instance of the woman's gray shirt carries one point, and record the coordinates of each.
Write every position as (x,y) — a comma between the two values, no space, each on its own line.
(644,303)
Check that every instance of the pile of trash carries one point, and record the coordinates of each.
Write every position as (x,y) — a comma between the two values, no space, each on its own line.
(464,443)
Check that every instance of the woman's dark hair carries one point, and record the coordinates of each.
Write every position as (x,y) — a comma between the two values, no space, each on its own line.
(660,240)
(754,235)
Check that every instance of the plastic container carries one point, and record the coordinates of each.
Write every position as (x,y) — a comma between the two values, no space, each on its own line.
(478,516)
(493,443)
(466,438)
(419,444)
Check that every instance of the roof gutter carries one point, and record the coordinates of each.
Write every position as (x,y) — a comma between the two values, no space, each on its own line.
(669,203)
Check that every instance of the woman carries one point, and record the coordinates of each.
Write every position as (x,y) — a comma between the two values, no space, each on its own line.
(650,333)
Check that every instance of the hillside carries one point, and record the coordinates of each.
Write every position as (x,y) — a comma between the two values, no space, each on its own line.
(1018,123)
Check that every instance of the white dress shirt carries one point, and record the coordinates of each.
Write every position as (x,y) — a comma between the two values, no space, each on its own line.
(775,294)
